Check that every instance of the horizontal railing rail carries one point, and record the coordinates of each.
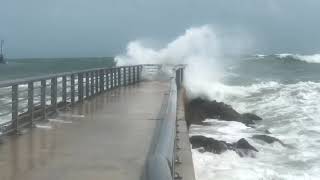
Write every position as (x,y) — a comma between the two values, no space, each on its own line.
(26,100)
(39,78)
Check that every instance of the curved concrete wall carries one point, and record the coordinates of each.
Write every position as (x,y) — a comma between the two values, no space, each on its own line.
(160,163)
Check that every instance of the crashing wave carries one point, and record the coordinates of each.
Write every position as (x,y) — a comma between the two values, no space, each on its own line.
(309,58)
(287,57)
(198,47)
(315,58)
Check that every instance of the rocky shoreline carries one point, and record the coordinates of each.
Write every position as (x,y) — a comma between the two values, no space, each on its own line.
(199,109)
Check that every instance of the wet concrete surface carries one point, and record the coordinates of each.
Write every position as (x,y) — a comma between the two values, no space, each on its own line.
(106,137)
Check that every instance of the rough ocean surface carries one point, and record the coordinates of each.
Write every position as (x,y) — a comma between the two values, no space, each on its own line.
(285,92)
(283,89)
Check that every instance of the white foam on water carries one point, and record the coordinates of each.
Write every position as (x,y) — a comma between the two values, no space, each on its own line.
(200,48)
(290,111)
(310,58)
(229,131)
(314,58)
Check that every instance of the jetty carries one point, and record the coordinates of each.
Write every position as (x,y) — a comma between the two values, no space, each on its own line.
(119,123)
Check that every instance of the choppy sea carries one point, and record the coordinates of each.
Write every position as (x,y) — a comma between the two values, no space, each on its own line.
(283,89)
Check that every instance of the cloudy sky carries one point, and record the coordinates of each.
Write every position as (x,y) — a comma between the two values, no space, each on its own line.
(73,28)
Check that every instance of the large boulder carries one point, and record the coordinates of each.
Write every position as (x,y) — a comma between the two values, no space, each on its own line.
(198,109)
(241,147)
(209,144)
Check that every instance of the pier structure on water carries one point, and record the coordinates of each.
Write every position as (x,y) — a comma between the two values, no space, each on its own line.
(111,123)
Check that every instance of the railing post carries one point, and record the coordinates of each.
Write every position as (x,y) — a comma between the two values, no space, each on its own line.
(54,92)
(124,76)
(80,86)
(116,77)
(92,83)
(129,77)
(97,81)
(138,67)
(181,76)
(135,74)
(15,106)
(43,98)
(64,91)
(101,80)
(107,79)
(111,78)
(139,73)
(30,100)
(178,78)
(72,89)
(132,75)
(87,84)
(119,76)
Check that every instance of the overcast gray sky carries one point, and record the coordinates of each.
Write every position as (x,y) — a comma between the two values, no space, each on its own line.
(73,28)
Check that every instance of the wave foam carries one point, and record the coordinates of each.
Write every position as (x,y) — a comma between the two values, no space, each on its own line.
(315,58)
(290,112)
(310,58)
(199,48)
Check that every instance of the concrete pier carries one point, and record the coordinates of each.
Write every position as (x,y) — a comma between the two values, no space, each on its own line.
(106,137)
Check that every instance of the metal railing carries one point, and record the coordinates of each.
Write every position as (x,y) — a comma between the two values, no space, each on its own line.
(161,160)
(26,100)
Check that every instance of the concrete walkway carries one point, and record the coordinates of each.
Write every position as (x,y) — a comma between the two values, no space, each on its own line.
(106,137)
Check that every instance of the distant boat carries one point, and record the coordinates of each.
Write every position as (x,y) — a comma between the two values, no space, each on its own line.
(2,60)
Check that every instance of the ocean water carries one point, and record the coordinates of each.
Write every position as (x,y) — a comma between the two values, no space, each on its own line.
(284,90)
(23,68)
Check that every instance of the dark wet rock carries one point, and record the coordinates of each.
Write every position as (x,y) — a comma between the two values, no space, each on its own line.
(244,144)
(250,116)
(268,139)
(241,147)
(197,110)
(209,144)
(267,131)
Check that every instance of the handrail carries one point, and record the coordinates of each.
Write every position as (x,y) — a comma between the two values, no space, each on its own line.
(160,164)
(39,78)
(55,91)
